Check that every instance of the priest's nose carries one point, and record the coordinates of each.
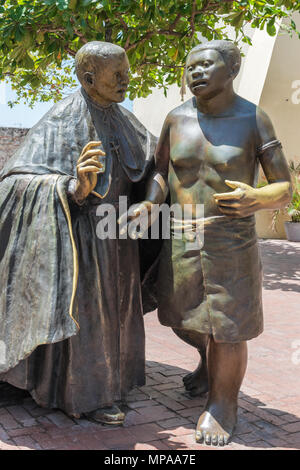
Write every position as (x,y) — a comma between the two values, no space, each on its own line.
(125,80)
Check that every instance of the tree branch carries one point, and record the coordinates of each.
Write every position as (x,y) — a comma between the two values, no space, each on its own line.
(122,21)
(170,32)
(108,31)
(70,51)
(157,64)
(211,6)
(140,41)
(193,20)
(78,33)
(172,25)
(148,35)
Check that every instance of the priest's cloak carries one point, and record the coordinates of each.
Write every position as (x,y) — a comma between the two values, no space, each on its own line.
(71,309)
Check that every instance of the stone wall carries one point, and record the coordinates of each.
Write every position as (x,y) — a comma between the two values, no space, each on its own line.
(10,139)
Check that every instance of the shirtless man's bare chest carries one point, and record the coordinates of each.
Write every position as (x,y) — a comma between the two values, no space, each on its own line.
(207,150)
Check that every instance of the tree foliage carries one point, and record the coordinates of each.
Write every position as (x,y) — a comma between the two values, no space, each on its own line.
(39,38)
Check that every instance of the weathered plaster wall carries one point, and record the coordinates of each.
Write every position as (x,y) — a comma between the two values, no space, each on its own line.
(10,139)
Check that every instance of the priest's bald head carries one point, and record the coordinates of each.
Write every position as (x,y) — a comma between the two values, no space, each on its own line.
(102,69)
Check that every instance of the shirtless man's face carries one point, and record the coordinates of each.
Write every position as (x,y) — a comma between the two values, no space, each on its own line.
(206,73)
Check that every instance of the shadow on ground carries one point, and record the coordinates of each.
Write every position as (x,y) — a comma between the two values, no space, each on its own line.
(10,395)
(281,265)
(160,416)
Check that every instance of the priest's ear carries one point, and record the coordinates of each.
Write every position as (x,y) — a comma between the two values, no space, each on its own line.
(88,79)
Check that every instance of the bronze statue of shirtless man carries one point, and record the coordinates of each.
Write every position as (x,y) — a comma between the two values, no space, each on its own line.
(209,153)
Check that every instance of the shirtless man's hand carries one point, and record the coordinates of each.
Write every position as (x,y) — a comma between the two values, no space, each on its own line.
(245,200)
(141,211)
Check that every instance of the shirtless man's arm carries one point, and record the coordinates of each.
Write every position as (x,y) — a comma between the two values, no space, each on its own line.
(245,200)
(158,184)
(157,188)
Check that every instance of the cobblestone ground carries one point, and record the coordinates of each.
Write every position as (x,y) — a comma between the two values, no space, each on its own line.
(161,416)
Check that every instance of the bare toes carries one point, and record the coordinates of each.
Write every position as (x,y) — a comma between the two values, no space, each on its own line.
(221,440)
(214,439)
(207,438)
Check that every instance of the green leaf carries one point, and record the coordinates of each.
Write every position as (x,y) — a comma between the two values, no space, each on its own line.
(86,3)
(62,4)
(40,37)
(73,4)
(271,29)
(247,40)
(237,19)
(19,34)
(36,35)
(28,62)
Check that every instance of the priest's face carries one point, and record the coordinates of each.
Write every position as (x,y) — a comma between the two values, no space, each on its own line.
(207,74)
(110,80)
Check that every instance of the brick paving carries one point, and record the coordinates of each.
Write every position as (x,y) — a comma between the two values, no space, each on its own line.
(161,416)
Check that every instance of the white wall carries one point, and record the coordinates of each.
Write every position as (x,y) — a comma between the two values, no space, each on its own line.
(255,66)
(278,95)
(151,111)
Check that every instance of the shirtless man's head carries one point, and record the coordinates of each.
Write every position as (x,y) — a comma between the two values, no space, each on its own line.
(211,67)
(102,69)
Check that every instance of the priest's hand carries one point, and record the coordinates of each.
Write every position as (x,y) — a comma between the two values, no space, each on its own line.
(88,167)
(242,202)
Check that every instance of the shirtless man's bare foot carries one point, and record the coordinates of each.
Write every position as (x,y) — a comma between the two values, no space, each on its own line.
(196,383)
(216,424)
(226,368)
